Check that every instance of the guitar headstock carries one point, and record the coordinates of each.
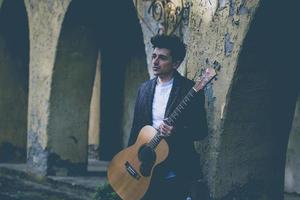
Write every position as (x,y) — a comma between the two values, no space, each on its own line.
(205,78)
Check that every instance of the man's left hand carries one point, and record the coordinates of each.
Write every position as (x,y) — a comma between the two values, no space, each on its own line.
(166,129)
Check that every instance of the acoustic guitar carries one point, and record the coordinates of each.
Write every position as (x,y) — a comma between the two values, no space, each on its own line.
(130,171)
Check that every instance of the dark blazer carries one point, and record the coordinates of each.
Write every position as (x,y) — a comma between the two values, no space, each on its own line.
(190,126)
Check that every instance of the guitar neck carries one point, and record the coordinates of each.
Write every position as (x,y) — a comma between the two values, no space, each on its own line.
(171,120)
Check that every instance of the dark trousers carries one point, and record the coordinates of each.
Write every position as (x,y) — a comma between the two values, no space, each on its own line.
(167,189)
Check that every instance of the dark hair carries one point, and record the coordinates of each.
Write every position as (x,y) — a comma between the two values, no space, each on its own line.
(171,42)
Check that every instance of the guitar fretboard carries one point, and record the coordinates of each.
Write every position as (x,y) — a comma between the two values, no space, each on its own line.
(171,120)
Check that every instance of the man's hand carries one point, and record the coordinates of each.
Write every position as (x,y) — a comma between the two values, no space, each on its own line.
(166,129)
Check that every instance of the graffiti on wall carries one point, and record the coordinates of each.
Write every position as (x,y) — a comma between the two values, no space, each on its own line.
(167,14)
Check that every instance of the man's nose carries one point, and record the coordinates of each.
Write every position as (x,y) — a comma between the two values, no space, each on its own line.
(155,61)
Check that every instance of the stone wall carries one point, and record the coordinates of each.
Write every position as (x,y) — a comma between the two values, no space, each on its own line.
(254,49)
(45,20)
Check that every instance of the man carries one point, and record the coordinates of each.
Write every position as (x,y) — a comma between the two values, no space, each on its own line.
(156,100)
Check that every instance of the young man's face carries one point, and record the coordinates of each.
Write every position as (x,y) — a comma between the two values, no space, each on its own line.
(163,65)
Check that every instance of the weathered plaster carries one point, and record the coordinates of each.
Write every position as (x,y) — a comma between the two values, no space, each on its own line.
(94,118)
(45,19)
(214,38)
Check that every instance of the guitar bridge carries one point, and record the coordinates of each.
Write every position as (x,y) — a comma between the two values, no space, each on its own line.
(132,171)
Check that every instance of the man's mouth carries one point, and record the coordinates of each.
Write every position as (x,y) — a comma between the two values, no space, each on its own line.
(155,68)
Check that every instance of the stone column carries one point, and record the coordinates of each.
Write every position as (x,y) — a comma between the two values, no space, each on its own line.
(95,118)
(45,19)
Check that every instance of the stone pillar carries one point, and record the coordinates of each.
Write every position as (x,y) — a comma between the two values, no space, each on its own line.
(45,19)
(95,118)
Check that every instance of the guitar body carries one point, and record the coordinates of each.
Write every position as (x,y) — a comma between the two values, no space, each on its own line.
(130,171)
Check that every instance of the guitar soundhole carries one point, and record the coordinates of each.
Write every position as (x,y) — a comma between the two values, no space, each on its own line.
(147,158)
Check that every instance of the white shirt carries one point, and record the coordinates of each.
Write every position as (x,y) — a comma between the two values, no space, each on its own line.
(160,100)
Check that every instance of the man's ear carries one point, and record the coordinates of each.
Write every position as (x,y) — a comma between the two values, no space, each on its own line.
(176,64)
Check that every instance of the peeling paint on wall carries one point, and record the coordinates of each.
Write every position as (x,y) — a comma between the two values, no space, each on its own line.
(231,10)
(36,156)
(222,4)
(228,46)
(242,10)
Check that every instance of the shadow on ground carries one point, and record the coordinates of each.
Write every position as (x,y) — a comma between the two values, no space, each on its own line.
(17,184)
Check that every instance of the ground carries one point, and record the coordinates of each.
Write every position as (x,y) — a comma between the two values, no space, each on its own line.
(16,184)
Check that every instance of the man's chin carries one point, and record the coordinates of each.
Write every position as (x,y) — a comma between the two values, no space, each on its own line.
(156,73)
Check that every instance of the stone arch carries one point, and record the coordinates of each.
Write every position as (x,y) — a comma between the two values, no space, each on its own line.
(71,92)
(260,108)
(94,35)
(14,69)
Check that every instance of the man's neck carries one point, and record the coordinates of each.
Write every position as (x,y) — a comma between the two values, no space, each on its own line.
(164,79)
